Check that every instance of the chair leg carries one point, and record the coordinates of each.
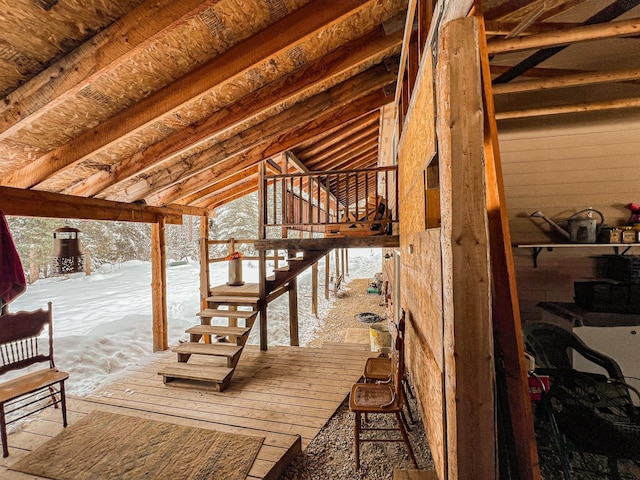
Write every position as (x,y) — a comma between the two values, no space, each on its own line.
(405,390)
(405,437)
(63,402)
(52,392)
(356,434)
(3,432)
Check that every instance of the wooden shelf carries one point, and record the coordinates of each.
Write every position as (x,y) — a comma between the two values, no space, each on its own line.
(537,248)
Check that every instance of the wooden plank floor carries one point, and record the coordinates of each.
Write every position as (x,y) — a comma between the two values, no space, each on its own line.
(285,395)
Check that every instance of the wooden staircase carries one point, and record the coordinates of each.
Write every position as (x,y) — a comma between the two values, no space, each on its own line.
(296,264)
(224,342)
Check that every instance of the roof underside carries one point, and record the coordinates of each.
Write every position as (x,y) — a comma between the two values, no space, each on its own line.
(175,103)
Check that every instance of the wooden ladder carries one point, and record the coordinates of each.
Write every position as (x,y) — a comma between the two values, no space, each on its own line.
(222,341)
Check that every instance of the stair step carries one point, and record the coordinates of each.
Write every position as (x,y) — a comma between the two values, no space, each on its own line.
(219,330)
(220,313)
(218,376)
(233,300)
(214,349)
(282,269)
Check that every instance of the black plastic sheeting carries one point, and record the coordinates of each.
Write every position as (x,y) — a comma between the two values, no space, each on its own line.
(368,317)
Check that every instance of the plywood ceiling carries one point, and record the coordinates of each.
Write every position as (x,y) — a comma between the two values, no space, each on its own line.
(169,103)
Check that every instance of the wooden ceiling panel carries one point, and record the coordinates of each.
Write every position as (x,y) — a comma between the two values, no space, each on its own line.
(163,102)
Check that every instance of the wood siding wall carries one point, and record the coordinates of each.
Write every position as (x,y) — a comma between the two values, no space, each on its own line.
(444,271)
(561,165)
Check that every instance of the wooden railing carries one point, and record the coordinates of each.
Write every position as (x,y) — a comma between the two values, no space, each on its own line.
(325,201)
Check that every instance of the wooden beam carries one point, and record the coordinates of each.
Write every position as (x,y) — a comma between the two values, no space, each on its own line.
(273,147)
(280,37)
(505,8)
(538,72)
(348,57)
(115,45)
(504,28)
(278,142)
(36,203)
(467,331)
(574,108)
(345,158)
(578,79)
(327,243)
(159,286)
(506,309)
(316,146)
(218,186)
(608,13)
(352,141)
(229,194)
(565,37)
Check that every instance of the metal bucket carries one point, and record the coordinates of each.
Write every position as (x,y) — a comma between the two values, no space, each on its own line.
(380,337)
(235,272)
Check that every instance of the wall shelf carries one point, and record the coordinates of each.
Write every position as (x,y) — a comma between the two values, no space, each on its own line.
(536,249)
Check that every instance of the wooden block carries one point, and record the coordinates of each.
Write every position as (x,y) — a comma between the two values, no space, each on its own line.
(414,475)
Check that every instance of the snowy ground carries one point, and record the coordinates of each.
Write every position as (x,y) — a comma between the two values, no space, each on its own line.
(103,323)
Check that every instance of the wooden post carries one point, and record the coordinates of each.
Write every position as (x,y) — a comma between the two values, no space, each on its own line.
(346,261)
(159,285)
(467,331)
(294,337)
(262,258)
(506,310)
(314,289)
(327,269)
(204,261)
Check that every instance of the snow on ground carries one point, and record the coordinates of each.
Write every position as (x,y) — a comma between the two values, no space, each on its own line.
(103,322)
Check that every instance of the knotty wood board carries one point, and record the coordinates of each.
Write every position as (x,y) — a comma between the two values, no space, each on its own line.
(285,394)
(468,329)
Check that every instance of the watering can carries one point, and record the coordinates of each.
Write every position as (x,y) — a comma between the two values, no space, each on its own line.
(582,228)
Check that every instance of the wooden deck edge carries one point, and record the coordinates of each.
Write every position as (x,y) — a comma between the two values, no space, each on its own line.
(278,468)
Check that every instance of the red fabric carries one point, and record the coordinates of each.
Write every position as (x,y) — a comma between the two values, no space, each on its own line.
(12,280)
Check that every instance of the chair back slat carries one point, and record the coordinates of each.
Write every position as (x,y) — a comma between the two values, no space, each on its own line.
(19,339)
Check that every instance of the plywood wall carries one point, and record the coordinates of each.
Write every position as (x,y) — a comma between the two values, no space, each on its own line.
(444,271)
(560,165)
(421,271)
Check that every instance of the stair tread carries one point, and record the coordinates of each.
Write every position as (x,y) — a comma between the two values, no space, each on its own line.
(217,312)
(233,300)
(197,372)
(215,349)
(221,330)
(282,269)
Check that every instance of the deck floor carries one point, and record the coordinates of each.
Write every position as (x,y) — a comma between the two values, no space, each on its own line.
(285,395)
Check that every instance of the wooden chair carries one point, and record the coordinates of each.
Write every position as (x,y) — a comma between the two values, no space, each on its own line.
(379,369)
(381,398)
(20,347)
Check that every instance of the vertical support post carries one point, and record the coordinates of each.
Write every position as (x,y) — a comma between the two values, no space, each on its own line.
(342,259)
(506,307)
(159,285)
(204,261)
(294,338)
(337,270)
(327,269)
(262,258)
(346,261)
(314,289)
